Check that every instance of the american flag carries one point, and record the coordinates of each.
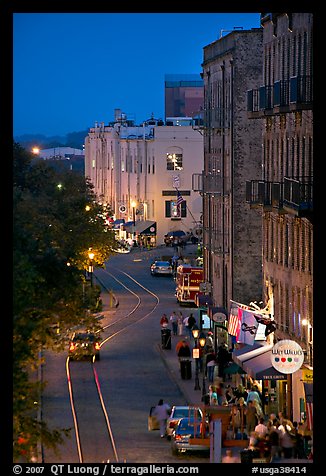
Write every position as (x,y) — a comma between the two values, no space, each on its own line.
(309,405)
(180,198)
(234,325)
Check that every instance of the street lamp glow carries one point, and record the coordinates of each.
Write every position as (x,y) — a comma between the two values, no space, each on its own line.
(35,150)
(195,332)
(87,208)
(91,255)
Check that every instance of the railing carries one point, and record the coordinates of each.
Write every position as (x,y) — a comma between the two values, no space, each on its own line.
(298,193)
(296,91)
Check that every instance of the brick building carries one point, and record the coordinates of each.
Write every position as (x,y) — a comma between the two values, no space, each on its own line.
(284,195)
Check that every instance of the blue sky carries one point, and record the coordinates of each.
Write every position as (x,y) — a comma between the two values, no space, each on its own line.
(72,69)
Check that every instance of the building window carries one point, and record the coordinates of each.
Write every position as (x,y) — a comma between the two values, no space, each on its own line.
(173,161)
(172,210)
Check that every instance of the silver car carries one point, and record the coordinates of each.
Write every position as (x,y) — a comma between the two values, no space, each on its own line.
(188,436)
(161,268)
(181,411)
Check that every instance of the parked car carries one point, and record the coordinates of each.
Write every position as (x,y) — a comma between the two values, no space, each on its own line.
(186,429)
(83,345)
(161,268)
(181,411)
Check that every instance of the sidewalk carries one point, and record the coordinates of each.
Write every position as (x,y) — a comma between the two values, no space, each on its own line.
(187,387)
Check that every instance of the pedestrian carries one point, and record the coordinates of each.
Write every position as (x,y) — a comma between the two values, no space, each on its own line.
(180,324)
(287,444)
(235,419)
(209,340)
(183,349)
(254,396)
(210,365)
(229,458)
(221,397)
(164,321)
(212,395)
(298,449)
(223,357)
(240,392)
(162,413)
(242,409)
(251,417)
(231,398)
(261,429)
(174,322)
(274,443)
(191,321)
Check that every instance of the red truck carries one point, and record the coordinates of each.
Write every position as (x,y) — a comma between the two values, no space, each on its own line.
(188,279)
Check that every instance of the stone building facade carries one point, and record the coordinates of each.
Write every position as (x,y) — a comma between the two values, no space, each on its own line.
(232,232)
(138,169)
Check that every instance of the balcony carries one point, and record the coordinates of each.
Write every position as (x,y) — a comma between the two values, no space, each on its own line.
(259,194)
(283,96)
(207,183)
(291,196)
(298,196)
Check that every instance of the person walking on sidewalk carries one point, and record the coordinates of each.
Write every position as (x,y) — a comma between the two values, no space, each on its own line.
(180,324)
(164,321)
(191,321)
(183,349)
(162,413)
(174,322)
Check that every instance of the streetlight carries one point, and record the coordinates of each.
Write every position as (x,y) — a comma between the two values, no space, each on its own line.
(202,343)
(195,353)
(90,267)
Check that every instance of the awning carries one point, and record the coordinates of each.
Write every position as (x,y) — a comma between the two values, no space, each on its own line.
(116,224)
(234,369)
(260,367)
(249,352)
(144,227)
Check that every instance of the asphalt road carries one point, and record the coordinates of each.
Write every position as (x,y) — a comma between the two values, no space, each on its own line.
(131,374)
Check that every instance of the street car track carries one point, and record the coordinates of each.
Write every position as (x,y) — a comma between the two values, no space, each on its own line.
(113,328)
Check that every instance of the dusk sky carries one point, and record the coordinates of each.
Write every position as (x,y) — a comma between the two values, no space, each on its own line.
(73,69)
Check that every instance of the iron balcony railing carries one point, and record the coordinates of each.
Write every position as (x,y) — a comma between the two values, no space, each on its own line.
(298,194)
(289,196)
(296,91)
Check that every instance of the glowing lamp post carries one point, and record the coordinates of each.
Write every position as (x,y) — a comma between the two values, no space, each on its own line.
(90,267)
(202,343)
(195,353)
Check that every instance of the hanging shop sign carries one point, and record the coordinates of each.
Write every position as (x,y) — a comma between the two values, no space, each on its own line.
(287,356)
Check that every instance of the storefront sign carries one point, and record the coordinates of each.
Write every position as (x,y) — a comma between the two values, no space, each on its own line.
(307,375)
(287,356)
(219,317)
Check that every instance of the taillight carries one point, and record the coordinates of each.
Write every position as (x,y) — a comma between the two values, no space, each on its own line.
(178,437)
(97,346)
(72,346)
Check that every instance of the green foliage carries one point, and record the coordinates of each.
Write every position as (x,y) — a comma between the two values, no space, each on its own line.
(52,233)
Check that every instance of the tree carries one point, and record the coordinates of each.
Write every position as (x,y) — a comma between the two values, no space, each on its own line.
(56,220)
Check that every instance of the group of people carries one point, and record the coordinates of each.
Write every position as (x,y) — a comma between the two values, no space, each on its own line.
(178,323)
(273,436)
